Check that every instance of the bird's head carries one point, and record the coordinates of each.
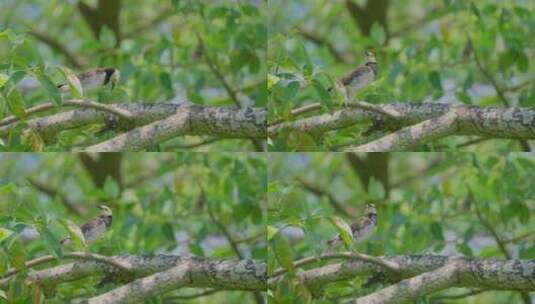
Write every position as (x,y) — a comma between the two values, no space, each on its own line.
(105,210)
(370,211)
(112,76)
(370,56)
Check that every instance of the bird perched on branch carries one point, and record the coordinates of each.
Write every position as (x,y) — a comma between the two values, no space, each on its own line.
(94,79)
(361,229)
(95,228)
(359,78)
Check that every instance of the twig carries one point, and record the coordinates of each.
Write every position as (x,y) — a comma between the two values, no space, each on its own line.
(459,296)
(391,266)
(73,102)
(318,191)
(76,61)
(193,296)
(230,92)
(373,108)
(320,41)
(72,255)
(221,227)
(501,93)
(472,142)
(50,191)
(213,67)
(418,174)
(299,111)
(193,145)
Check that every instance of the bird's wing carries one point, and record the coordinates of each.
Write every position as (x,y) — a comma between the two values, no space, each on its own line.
(357,73)
(360,224)
(93,229)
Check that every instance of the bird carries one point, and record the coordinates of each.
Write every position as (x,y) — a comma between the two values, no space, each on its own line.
(361,229)
(94,79)
(95,228)
(359,78)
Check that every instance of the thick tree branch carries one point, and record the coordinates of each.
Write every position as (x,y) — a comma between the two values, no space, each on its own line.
(185,119)
(487,273)
(502,275)
(410,137)
(411,289)
(495,122)
(249,275)
(224,122)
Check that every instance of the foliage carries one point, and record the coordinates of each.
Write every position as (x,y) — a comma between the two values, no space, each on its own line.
(157,209)
(429,206)
(166,51)
(426,52)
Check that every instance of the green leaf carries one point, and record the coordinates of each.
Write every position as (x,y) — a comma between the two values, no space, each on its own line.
(168,231)
(343,229)
(4,234)
(271,231)
(15,102)
(76,234)
(272,80)
(51,89)
(74,83)
(167,84)
(322,92)
(111,188)
(434,78)
(475,10)
(436,231)
(51,241)
(283,251)
(376,190)
(107,37)
(377,33)
(465,249)
(16,77)
(8,189)
(3,79)
(17,254)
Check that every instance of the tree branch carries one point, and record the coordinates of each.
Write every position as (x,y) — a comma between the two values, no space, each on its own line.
(412,136)
(72,255)
(249,275)
(53,192)
(122,113)
(185,119)
(411,289)
(76,61)
(319,192)
(388,265)
(320,41)
(477,273)
(495,122)
(225,122)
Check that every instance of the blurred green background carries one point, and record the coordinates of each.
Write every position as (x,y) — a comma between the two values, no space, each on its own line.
(427,203)
(204,52)
(156,208)
(423,52)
